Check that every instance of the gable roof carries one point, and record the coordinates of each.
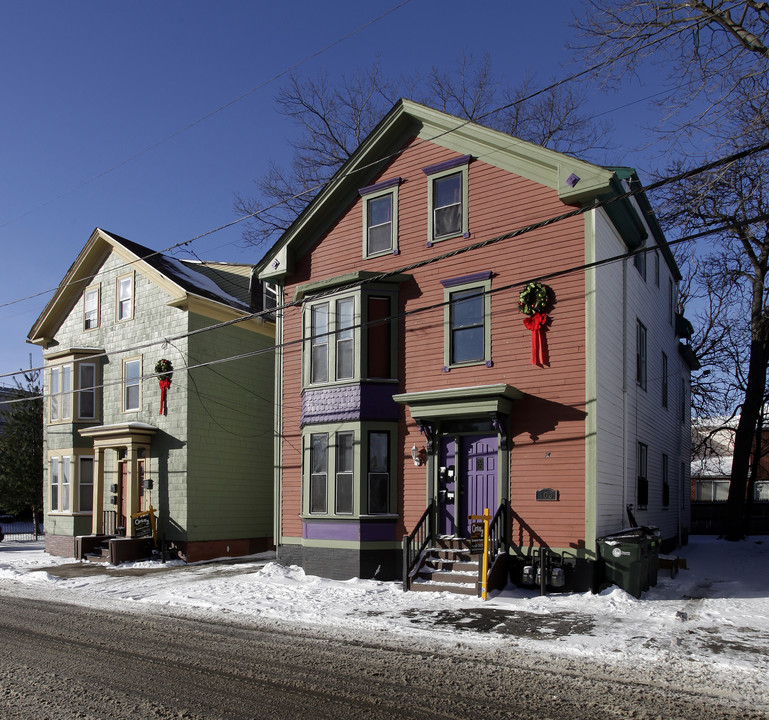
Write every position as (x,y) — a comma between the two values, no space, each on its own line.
(225,288)
(407,120)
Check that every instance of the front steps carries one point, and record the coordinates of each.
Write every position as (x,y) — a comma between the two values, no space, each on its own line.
(448,567)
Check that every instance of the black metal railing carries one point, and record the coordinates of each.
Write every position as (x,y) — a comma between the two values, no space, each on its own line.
(415,543)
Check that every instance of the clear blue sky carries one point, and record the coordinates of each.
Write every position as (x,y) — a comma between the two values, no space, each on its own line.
(88,86)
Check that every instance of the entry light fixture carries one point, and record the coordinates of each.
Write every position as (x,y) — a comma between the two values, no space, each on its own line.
(415,455)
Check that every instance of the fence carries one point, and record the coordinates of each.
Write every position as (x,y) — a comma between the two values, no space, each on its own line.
(709,518)
(20,527)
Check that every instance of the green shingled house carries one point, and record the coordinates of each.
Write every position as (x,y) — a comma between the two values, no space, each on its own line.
(197,452)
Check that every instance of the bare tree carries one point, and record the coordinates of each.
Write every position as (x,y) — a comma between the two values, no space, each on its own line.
(706,49)
(332,119)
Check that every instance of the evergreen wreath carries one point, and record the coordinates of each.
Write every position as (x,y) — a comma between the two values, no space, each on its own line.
(164,369)
(534,298)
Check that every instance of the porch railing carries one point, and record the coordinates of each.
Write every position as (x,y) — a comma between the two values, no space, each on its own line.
(415,543)
(109,522)
(498,540)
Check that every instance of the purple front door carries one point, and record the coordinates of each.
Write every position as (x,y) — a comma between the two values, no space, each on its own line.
(467,481)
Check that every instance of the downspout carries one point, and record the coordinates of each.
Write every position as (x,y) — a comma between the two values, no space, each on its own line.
(624,393)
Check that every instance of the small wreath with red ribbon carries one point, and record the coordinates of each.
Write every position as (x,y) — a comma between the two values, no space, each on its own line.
(533,302)
(164,370)
(534,298)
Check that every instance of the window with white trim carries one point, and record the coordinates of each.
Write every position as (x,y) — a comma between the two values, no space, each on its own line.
(125,297)
(85,483)
(59,482)
(642,487)
(641,355)
(60,391)
(132,372)
(86,394)
(91,307)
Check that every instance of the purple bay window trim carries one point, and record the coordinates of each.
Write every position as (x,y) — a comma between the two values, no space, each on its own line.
(447,165)
(380,186)
(466,279)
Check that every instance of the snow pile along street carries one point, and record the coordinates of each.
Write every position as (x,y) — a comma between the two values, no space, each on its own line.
(709,624)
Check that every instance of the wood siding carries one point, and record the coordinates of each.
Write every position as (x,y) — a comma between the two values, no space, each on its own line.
(551,417)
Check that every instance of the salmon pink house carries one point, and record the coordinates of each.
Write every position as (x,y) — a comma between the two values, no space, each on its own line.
(470,321)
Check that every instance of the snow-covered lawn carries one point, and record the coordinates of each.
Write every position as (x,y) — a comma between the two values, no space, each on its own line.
(711,619)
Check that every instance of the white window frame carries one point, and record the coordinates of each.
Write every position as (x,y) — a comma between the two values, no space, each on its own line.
(95,312)
(86,389)
(642,354)
(133,382)
(60,393)
(85,490)
(124,302)
(54,495)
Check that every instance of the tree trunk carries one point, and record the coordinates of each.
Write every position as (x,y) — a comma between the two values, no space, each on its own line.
(743,441)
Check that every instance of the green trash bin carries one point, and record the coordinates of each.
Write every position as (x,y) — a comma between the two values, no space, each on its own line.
(626,561)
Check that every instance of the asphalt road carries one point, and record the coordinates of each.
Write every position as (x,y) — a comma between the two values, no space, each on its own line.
(60,661)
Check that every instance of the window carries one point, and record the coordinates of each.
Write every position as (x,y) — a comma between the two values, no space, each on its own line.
(711,490)
(319,343)
(85,484)
(671,298)
(132,371)
(269,295)
(657,268)
(318,473)
(61,393)
(344,474)
(447,199)
(379,338)
(60,484)
(91,304)
(665,482)
(345,339)
(467,336)
(639,260)
(380,218)
(350,338)
(53,479)
(378,472)
(125,292)
(642,488)
(86,396)
(641,355)
(664,380)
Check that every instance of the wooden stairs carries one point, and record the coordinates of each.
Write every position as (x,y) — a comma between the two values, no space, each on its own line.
(447,567)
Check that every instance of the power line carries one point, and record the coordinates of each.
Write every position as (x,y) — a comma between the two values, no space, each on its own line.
(734,157)
(396,316)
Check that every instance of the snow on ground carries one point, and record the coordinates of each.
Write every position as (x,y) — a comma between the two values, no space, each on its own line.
(712,618)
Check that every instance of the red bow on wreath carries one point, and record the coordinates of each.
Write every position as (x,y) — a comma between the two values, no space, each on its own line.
(164,369)
(533,302)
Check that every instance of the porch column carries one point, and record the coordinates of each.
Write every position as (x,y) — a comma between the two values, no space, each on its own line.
(132,491)
(97,516)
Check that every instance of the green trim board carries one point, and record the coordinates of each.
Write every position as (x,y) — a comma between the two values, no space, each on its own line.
(461,402)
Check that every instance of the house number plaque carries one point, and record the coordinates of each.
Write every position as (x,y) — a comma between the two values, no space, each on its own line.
(547,494)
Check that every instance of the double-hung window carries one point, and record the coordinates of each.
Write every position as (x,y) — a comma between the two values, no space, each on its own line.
(319,473)
(86,394)
(332,340)
(132,372)
(665,481)
(59,483)
(91,308)
(467,336)
(380,218)
(125,296)
(447,199)
(641,355)
(378,472)
(60,393)
(85,484)
(345,491)
(642,488)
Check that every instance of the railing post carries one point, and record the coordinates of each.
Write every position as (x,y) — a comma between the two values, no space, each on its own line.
(406,562)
